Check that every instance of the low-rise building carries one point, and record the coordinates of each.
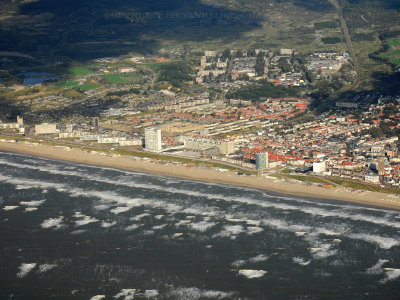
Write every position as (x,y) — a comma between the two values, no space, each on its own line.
(201,144)
(46,128)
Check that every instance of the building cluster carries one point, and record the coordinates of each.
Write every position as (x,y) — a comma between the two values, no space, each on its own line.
(258,137)
(229,69)
(327,62)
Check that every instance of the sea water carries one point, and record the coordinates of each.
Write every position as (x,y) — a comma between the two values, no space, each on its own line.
(74,231)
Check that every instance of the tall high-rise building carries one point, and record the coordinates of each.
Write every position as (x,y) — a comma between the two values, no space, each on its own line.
(20,121)
(262,160)
(152,139)
(95,122)
(319,166)
(381,166)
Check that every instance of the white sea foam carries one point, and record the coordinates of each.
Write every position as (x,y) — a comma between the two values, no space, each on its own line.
(55,223)
(10,207)
(46,267)
(255,223)
(254,229)
(112,196)
(300,233)
(98,297)
(108,224)
(24,269)
(159,217)
(183,222)
(158,227)
(151,293)
(102,207)
(258,258)
(202,226)
(323,251)
(26,184)
(76,232)
(377,268)
(238,263)
(230,231)
(33,203)
(383,242)
(120,209)
(29,209)
(128,294)
(255,259)
(131,227)
(85,220)
(139,217)
(148,232)
(197,294)
(252,273)
(301,261)
(341,211)
(391,275)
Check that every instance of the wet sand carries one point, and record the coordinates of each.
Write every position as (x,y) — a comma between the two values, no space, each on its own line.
(201,174)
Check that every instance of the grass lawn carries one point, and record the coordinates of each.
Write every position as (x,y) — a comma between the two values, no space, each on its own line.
(394,42)
(69,84)
(87,87)
(394,53)
(114,78)
(126,78)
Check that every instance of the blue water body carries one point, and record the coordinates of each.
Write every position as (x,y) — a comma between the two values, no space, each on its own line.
(38,80)
(33,74)
(73,231)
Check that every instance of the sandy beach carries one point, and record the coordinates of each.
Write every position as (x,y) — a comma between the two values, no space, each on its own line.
(201,174)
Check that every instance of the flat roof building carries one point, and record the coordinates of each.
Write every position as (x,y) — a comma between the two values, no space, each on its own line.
(45,128)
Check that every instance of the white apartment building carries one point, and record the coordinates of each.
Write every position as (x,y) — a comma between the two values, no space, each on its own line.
(152,139)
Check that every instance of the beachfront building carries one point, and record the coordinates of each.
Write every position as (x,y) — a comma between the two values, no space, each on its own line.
(319,167)
(202,144)
(20,121)
(45,128)
(381,166)
(262,161)
(152,139)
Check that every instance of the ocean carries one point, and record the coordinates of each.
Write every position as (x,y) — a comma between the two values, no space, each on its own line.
(74,231)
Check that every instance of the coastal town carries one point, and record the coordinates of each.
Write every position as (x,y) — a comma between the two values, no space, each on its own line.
(261,136)
(200,149)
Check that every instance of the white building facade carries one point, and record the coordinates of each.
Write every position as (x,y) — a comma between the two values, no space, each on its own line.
(152,139)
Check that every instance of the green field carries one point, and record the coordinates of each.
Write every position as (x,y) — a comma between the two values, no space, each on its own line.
(75,85)
(393,55)
(79,71)
(126,78)
(87,87)
(394,42)
(115,78)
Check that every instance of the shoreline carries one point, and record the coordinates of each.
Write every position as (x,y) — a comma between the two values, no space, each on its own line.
(282,187)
